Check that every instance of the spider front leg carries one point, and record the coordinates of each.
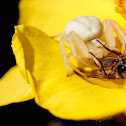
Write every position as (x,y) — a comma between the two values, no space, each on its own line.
(66,57)
(121,35)
(109,27)
(109,34)
(58,35)
(80,49)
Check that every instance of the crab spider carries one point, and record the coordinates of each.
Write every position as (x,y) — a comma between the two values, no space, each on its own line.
(82,34)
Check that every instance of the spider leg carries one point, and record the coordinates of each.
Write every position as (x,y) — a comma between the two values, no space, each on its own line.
(113,51)
(58,35)
(121,35)
(66,57)
(110,27)
(73,39)
(109,34)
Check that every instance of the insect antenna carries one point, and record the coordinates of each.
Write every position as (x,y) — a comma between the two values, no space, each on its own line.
(113,51)
(99,62)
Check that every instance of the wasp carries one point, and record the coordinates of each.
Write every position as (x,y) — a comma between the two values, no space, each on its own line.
(110,67)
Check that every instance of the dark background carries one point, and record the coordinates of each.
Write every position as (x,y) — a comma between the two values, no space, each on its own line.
(28,113)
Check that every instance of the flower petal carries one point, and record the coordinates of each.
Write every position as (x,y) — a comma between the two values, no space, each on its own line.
(51,16)
(70,97)
(13,88)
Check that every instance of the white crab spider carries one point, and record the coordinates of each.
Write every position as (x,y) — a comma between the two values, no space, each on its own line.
(81,33)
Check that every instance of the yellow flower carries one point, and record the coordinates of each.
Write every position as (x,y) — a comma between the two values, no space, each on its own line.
(40,61)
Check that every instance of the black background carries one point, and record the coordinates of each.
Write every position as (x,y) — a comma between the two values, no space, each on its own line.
(28,113)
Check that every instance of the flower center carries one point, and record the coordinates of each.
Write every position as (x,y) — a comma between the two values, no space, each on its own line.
(120,8)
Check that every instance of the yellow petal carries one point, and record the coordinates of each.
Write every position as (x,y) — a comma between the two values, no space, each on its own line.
(51,16)
(13,88)
(70,97)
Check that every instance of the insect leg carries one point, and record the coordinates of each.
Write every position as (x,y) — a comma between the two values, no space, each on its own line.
(99,62)
(93,74)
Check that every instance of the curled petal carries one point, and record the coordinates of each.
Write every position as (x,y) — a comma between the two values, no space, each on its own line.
(13,88)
